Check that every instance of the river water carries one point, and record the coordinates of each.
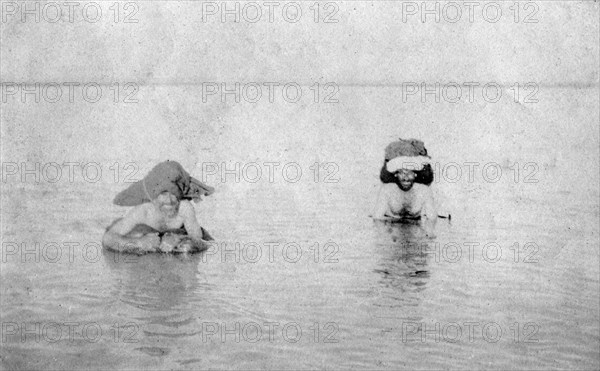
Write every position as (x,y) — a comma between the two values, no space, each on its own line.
(300,276)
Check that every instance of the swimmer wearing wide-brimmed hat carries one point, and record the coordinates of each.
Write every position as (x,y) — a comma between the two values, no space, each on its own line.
(161,204)
(406,199)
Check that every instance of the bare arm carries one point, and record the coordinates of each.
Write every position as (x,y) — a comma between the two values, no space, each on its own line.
(190,222)
(196,239)
(428,213)
(117,239)
(381,205)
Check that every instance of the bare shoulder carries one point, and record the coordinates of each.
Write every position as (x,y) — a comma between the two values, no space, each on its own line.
(423,192)
(389,188)
(422,189)
(139,211)
(136,215)
(186,208)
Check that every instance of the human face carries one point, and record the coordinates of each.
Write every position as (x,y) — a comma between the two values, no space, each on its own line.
(167,204)
(406,179)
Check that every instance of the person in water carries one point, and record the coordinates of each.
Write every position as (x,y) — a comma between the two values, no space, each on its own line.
(405,199)
(139,230)
(162,208)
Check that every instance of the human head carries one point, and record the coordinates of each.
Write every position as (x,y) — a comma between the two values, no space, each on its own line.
(167,203)
(405,179)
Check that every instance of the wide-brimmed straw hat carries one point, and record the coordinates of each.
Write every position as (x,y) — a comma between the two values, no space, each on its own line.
(167,176)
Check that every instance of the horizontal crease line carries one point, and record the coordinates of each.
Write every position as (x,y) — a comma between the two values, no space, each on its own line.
(230,84)
(310,1)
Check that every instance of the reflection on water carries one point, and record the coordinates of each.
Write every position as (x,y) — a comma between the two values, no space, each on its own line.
(155,282)
(161,294)
(403,261)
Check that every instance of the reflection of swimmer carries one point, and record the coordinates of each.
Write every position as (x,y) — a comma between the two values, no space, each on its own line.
(155,282)
(402,256)
(406,199)
(161,205)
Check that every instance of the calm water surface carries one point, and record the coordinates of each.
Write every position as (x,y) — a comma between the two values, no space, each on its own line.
(360,293)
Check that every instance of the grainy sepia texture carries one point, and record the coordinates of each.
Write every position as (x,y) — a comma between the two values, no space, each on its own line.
(286,108)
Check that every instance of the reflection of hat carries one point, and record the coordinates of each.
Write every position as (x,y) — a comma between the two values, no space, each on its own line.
(167,176)
(415,163)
